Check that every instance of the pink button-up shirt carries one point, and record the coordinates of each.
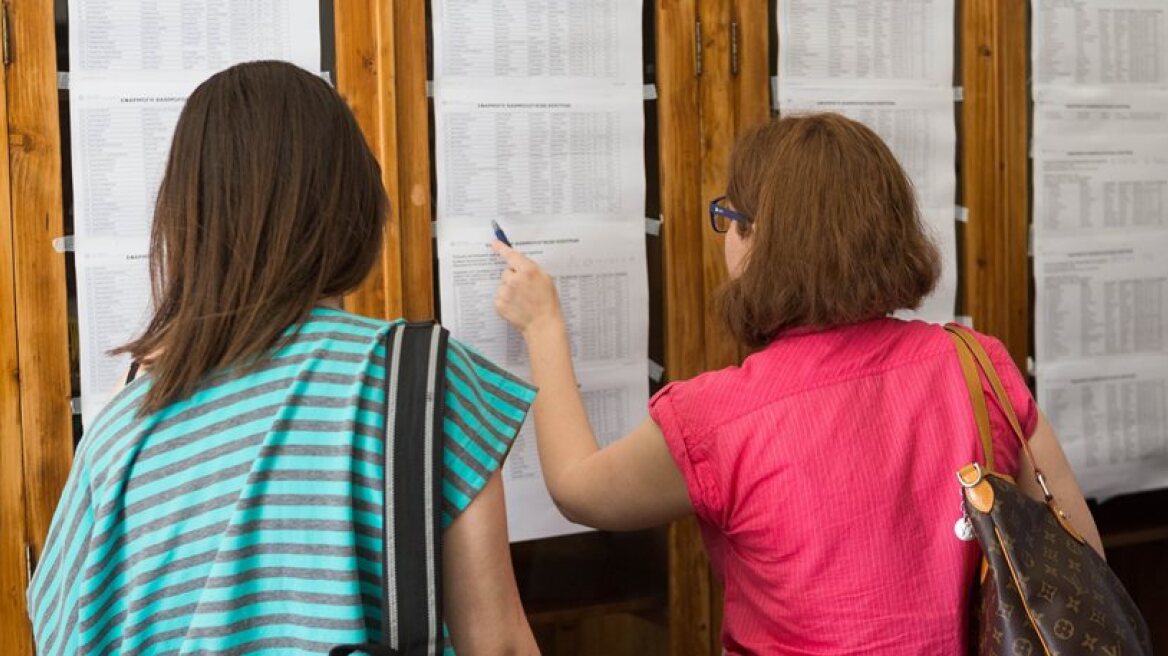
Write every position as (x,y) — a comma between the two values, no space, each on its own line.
(822,472)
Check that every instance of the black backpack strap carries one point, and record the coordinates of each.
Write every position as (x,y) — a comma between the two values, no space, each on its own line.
(417,473)
(415,378)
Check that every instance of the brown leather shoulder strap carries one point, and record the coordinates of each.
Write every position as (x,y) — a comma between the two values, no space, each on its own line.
(987,367)
(981,413)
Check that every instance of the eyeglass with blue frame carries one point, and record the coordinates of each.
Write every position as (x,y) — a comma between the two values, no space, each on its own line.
(722,217)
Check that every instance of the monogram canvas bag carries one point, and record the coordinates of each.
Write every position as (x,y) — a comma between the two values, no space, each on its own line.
(1042,588)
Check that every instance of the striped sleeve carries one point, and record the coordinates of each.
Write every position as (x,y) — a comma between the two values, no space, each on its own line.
(484,409)
(53,593)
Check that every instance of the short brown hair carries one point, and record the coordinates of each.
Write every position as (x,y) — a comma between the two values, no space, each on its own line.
(271,200)
(835,234)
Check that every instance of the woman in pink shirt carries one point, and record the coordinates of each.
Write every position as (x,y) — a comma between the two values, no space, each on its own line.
(821,470)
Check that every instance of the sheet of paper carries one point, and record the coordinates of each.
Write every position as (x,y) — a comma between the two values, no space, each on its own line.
(866,42)
(917,125)
(188,35)
(1073,112)
(121,133)
(113,304)
(1100,296)
(1099,42)
(600,274)
(1100,186)
(611,399)
(1100,235)
(132,66)
(1111,416)
(535,44)
(532,156)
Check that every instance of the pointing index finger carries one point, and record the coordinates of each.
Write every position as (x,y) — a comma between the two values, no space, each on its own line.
(513,257)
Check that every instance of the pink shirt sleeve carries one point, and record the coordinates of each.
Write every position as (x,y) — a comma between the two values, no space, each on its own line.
(690,451)
(1006,446)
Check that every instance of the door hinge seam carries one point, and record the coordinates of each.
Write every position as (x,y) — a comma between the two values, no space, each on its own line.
(5,34)
(698,49)
(734,48)
(29,563)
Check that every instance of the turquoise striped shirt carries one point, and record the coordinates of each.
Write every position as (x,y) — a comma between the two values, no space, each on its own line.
(247,518)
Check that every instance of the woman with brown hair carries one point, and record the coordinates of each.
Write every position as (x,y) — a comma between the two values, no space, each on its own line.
(231,499)
(821,470)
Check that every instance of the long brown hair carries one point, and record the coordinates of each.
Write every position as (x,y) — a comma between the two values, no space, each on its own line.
(271,201)
(835,234)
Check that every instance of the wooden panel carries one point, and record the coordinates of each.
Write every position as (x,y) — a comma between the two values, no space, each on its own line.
(381,71)
(681,205)
(1143,568)
(413,129)
(995,175)
(735,95)
(365,77)
(14,630)
(680,150)
(752,84)
(690,600)
(37,218)
(603,634)
(1012,321)
(719,122)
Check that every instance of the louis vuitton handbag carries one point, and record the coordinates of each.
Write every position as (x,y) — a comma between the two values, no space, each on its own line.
(1042,589)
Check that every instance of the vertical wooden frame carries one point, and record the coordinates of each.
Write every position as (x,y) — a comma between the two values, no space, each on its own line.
(735,95)
(752,82)
(15,637)
(996,268)
(679,122)
(680,138)
(34,143)
(414,204)
(381,71)
(366,58)
(718,125)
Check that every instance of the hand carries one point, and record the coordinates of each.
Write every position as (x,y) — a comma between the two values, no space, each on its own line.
(526,297)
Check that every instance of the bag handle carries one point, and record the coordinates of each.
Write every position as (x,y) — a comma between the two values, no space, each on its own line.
(411,608)
(981,413)
(968,351)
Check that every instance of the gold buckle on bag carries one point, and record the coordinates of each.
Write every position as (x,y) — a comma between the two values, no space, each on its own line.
(972,468)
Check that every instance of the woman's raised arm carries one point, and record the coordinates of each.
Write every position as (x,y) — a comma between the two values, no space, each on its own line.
(631,484)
